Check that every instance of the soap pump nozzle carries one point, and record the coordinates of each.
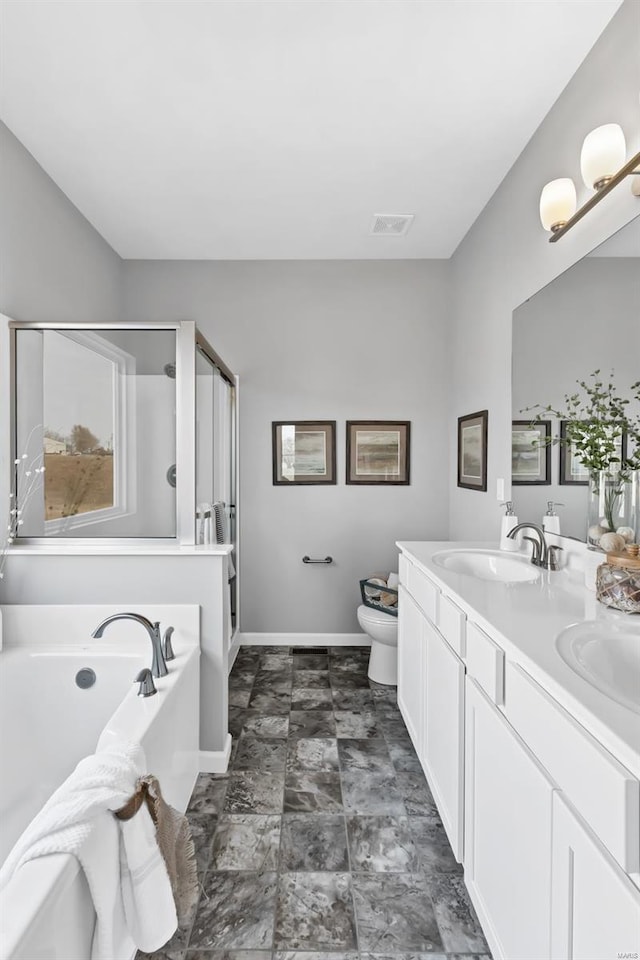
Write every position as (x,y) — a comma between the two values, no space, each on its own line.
(510,512)
(509,521)
(550,505)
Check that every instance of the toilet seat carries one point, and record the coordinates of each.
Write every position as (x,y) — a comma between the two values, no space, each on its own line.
(370,615)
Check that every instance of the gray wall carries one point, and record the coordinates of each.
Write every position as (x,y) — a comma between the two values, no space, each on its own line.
(505,257)
(53,264)
(587,319)
(319,340)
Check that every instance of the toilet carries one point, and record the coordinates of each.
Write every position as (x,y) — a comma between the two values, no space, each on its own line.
(382,628)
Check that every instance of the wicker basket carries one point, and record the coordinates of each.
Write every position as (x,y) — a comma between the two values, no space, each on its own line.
(618,582)
(372,594)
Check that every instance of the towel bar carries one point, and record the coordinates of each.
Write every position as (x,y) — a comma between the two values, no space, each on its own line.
(309,560)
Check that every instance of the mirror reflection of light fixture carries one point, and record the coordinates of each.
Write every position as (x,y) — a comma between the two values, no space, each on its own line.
(603,167)
(558,203)
(603,153)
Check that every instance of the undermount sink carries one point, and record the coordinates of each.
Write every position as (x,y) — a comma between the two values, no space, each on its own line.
(488,565)
(606,655)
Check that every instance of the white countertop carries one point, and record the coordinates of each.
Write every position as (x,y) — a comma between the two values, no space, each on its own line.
(525,619)
(138,548)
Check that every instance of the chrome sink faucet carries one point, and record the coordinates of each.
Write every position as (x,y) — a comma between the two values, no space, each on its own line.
(543,554)
(158,665)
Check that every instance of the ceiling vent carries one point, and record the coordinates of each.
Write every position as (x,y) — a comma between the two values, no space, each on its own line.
(391,224)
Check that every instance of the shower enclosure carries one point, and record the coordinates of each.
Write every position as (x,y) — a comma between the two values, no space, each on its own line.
(121,433)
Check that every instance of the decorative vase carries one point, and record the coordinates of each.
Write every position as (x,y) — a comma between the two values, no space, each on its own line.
(612,507)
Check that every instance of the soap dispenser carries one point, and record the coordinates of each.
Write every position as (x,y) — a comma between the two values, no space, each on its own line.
(509,521)
(551,520)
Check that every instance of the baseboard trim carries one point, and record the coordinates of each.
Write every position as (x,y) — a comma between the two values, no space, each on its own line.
(233,649)
(216,761)
(304,640)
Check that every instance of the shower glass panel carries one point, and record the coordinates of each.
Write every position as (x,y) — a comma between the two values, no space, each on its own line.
(97,409)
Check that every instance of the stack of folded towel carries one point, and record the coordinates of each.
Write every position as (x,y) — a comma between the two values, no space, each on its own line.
(125,869)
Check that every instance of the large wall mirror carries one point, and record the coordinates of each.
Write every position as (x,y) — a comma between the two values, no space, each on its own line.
(585,320)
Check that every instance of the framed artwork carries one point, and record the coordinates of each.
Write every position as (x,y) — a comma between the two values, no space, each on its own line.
(530,452)
(303,452)
(572,470)
(472,450)
(378,451)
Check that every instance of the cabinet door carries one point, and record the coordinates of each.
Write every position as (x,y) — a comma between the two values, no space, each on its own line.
(411,685)
(508,803)
(595,908)
(443,744)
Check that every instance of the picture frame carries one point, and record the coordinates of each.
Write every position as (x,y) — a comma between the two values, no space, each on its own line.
(572,471)
(303,452)
(531,453)
(378,452)
(472,450)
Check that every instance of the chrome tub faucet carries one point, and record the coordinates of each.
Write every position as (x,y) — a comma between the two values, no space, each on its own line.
(158,664)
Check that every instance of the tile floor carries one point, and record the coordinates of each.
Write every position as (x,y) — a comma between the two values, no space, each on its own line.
(323,841)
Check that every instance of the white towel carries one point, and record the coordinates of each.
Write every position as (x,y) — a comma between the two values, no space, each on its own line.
(127,877)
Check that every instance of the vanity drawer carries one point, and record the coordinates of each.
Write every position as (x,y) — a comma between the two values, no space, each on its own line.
(485,663)
(604,792)
(452,624)
(424,592)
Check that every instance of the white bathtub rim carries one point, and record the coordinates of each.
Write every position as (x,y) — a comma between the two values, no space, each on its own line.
(216,761)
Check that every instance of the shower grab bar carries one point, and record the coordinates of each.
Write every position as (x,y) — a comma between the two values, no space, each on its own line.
(309,560)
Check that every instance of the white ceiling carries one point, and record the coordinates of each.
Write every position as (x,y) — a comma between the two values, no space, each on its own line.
(275,129)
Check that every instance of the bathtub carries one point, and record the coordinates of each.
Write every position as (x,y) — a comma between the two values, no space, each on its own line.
(48,723)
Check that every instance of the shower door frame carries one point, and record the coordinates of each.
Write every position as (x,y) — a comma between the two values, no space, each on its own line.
(188,338)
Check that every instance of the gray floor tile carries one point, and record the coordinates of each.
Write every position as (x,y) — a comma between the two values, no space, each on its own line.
(459,926)
(314,955)
(371,793)
(242,678)
(385,692)
(393,728)
(246,842)
(309,699)
(372,755)
(434,850)
(271,702)
(208,795)
(315,842)
(357,726)
(230,955)
(315,911)
(311,679)
(381,844)
(387,708)
(269,727)
(311,723)
(357,700)
(350,663)
(202,828)
(394,913)
(313,793)
(237,718)
(279,678)
(252,791)
(238,914)
(403,756)
(275,661)
(416,794)
(349,681)
(320,753)
(162,955)
(239,696)
(255,753)
(310,661)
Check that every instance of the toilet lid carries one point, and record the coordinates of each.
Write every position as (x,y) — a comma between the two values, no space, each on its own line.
(376,616)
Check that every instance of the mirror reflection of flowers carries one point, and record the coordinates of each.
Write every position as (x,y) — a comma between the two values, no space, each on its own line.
(597,418)
(27,476)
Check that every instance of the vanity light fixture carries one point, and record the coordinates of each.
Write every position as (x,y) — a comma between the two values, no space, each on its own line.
(558,203)
(603,167)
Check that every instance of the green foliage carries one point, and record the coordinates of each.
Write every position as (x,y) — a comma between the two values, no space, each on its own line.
(596,416)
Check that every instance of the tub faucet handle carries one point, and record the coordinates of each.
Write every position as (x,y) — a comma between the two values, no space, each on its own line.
(167,649)
(145,679)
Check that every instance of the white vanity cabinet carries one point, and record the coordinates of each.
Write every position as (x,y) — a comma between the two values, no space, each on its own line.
(508,808)
(595,908)
(431,700)
(544,818)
